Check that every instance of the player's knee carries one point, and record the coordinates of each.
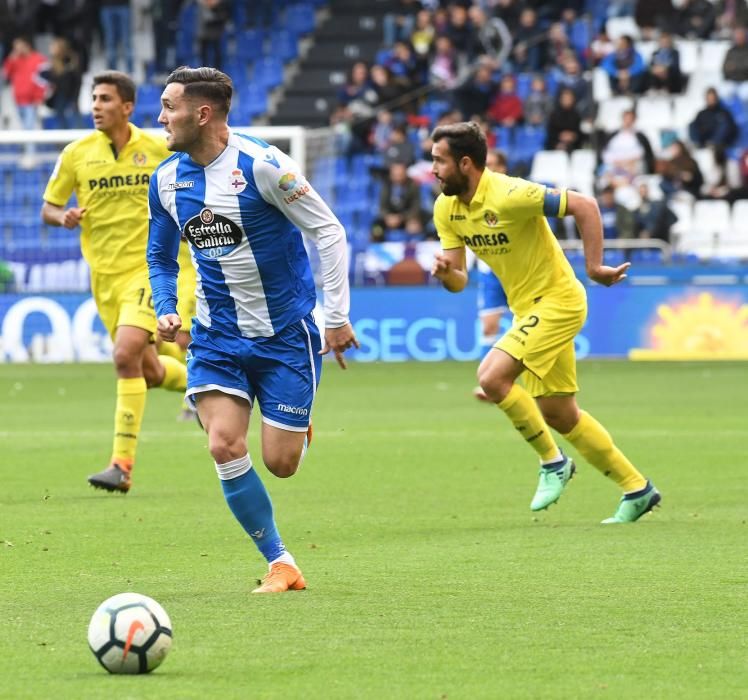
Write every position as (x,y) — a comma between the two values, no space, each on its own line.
(125,361)
(495,386)
(561,421)
(282,465)
(153,377)
(225,447)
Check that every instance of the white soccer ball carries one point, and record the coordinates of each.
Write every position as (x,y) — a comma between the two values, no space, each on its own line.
(130,633)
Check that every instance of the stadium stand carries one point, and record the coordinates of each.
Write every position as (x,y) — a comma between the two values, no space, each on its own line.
(292,63)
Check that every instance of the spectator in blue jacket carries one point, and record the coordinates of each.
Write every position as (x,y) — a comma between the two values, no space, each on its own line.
(625,68)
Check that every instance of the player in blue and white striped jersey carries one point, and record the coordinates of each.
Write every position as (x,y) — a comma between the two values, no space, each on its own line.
(241,205)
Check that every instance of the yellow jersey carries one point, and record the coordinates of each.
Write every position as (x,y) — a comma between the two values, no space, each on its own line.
(505,226)
(114,192)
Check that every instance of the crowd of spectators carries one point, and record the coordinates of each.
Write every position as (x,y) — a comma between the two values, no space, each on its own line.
(66,31)
(442,61)
(437,65)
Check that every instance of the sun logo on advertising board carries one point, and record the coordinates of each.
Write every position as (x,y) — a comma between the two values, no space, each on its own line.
(700,326)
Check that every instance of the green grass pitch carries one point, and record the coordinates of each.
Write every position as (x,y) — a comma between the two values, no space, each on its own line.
(428,575)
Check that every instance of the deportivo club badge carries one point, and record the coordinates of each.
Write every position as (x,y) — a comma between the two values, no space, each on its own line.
(237,183)
(206,216)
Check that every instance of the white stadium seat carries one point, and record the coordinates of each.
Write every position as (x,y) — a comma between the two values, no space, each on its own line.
(711,217)
(713,54)
(654,113)
(646,49)
(611,111)
(739,222)
(685,109)
(688,51)
(622,26)
(600,85)
(551,167)
(683,210)
(704,158)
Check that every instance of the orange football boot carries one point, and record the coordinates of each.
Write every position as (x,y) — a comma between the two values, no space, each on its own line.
(281,577)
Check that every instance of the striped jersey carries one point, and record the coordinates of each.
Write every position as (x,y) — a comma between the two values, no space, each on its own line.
(242,215)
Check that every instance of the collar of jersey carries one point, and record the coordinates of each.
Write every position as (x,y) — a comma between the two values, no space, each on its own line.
(480,191)
(135,134)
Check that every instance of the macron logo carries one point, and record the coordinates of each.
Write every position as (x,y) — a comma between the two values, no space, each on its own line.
(186,185)
(293,409)
(270,158)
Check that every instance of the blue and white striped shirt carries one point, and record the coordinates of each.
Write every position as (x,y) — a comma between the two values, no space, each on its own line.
(242,215)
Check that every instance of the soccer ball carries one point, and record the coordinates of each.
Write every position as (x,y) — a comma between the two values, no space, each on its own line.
(130,633)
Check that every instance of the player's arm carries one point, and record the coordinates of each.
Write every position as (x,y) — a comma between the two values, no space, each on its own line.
(58,191)
(304,207)
(586,215)
(163,268)
(449,266)
(450,269)
(55,215)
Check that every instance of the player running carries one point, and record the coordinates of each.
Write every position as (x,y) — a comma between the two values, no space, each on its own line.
(109,171)
(241,204)
(502,220)
(491,298)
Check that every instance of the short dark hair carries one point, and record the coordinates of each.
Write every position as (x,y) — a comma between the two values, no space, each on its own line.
(123,82)
(206,83)
(464,139)
(500,157)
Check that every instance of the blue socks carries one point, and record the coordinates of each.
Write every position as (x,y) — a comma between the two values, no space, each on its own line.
(250,503)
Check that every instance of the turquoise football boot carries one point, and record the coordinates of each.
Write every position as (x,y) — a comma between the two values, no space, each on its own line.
(634,505)
(553,479)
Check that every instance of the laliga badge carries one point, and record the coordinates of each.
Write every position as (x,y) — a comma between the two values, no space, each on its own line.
(237,183)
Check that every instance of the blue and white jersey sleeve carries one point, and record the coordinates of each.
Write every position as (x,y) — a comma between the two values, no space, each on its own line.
(280,183)
(162,251)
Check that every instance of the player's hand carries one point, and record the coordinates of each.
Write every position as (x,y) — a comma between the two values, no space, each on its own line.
(72,217)
(609,275)
(168,327)
(339,340)
(442,266)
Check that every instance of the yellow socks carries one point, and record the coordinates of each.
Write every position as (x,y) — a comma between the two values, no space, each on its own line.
(526,417)
(596,446)
(173,350)
(128,416)
(175,374)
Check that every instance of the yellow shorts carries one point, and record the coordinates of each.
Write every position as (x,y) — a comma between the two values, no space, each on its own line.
(543,340)
(124,301)
(186,287)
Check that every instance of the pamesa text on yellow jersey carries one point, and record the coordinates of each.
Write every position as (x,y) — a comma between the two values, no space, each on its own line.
(114,192)
(505,226)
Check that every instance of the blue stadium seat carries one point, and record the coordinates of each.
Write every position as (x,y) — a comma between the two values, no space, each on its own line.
(581,36)
(614,257)
(148,103)
(299,18)
(435,107)
(285,45)
(575,257)
(504,137)
(523,81)
(249,44)
(237,69)
(268,72)
(186,34)
(646,255)
(253,100)
(528,140)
